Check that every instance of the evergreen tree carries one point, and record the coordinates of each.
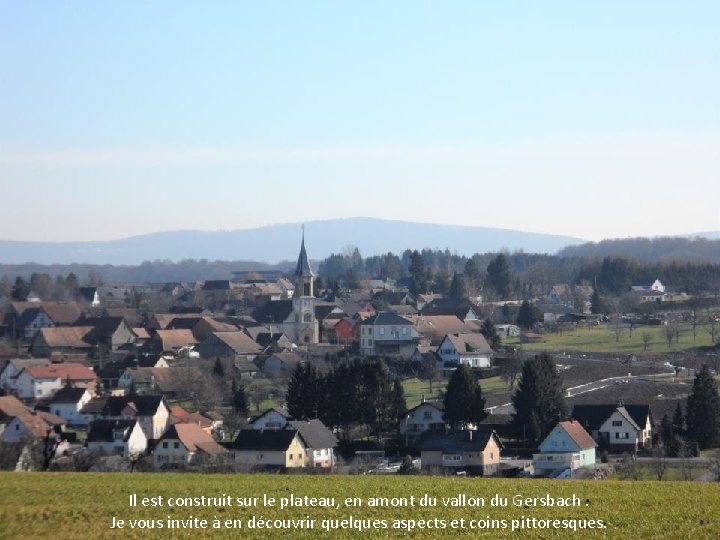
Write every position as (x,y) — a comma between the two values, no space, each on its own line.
(528,315)
(703,410)
(218,369)
(441,283)
(498,276)
(489,331)
(398,407)
(463,401)
(457,287)
(418,277)
(538,401)
(597,304)
(239,398)
(666,429)
(20,290)
(302,393)
(473,276)
(678,420)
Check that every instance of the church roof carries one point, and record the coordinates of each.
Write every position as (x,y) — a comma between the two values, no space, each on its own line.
(303,265)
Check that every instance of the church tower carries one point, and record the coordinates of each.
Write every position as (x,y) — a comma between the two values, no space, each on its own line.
(306,325)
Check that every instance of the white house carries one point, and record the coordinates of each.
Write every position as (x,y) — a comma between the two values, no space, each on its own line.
(35,382)
(271,419)
(30,425)
(469,349)
(117,437)
(13,367)
(648,286)
(426,417)
(67,403)
(617,428)
(567,447)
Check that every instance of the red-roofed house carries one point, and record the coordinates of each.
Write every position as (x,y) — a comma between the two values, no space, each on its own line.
(36,382)
(566,448)
(182,444)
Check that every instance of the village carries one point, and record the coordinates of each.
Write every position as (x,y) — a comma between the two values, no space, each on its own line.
(267,371)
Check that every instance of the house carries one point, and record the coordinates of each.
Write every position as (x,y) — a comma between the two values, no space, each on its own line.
(567,447)
(281,365)
(476,452)
(171,342)
(64,340)
(10,407)
(31,425)
(235,344)
(23,319)
(576,296)
(319,442)
(434,328)
(151,380)
(387,334)
(507,330)
(343,332)
(151,411)
(68,402)
(273,449)
(270,419)
(469,349)
(428,417)
(208,422)
(116,438)
(111,332)
(461,308)
(13,367)
(617,428)
(183,445)
(648,286)
(36,382)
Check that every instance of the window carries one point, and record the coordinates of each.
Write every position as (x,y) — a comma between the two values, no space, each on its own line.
(404,331)
(617,423)
(165,444)
(17,427)
(369,342)
(427,415)
(382,330)
(622,435)
(176,445)
(369,330)
(307,317)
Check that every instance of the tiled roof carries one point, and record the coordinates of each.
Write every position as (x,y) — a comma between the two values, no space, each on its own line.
(578,434)
(75,337)
(72,371)
(267,439)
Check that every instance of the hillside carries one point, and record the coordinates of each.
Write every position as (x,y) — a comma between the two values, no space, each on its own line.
(662,249)
(280,242)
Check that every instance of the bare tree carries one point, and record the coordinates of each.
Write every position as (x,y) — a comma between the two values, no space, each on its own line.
(628,467)
(659,462)
(712,325)
(669,334)
(646,339)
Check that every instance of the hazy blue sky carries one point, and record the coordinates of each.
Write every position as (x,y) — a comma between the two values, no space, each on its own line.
(592,119)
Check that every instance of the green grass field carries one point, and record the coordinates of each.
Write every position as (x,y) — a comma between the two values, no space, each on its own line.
(415,389)
(603,339)
(83,505)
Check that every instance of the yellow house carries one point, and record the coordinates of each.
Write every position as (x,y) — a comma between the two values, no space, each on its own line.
(274,448)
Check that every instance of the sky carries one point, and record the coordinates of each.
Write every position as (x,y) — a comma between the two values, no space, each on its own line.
(588,119)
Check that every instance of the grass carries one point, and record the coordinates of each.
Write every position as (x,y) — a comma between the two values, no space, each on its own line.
(603,339)
(415,389)
(82,505)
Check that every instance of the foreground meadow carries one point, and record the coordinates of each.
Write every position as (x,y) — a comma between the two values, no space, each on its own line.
(71,505)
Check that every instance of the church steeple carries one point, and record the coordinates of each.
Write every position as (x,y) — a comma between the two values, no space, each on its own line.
(303,265)
(304,277)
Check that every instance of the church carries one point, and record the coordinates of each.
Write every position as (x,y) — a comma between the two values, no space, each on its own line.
(295,318)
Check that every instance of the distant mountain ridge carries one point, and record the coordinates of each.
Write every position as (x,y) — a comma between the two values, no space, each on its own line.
(276,243)
(692,248)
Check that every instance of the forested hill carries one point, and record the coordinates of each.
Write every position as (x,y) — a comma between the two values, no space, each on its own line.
(651,250)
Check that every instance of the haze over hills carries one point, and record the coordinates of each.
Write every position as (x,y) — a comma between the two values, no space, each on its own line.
(280,242)
(702,247)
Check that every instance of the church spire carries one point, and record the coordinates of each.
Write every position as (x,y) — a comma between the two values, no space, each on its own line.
(303,265)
